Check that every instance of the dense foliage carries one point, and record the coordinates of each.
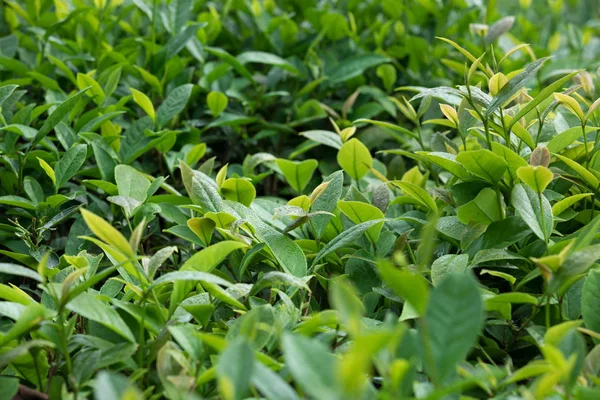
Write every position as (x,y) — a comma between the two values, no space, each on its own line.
(375,199)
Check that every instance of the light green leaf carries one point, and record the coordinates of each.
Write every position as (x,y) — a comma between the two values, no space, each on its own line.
(297,173)
(18,201)
(536,177)
(144,102)
(203,228)
(239,189)
(48,169)
(95,91)
(355,158)
(217,103)
(560,206)
(209,258)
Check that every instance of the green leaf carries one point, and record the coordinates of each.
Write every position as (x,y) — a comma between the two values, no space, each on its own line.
(267,58)
(327,138)
(418,193)
(484,164)
(69,164)
(18,270)
(327,202)
(312,366)
(537,216)
(6,91)
(543,95)
(513,160)
(234,369)
(271,385)
(189,276)
(354,66)
(514,85)
(231,60)
(276,278)
(91,307)
(567,137)
(483,209)
(347,237)
(355,158)
(57,116)
(201,189)
(359,212)
(297,173)
(590,301)
(287,252)
(173,104)
(387,125)
(217,103)
(454,319)
(499,28)
(513,298)
(238,189)
(448,162)
(109,385)
(447,264)
(18,201)
(131,183)
(411,287)
(587,176)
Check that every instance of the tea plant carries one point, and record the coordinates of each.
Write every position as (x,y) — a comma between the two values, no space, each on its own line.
(234,207)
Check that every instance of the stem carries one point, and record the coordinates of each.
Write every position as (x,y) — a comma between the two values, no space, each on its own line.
(487,133)
(499,202)
(547,310)
(585,144)
(543,218)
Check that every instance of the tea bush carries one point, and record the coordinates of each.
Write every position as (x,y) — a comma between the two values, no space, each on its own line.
(374,199)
